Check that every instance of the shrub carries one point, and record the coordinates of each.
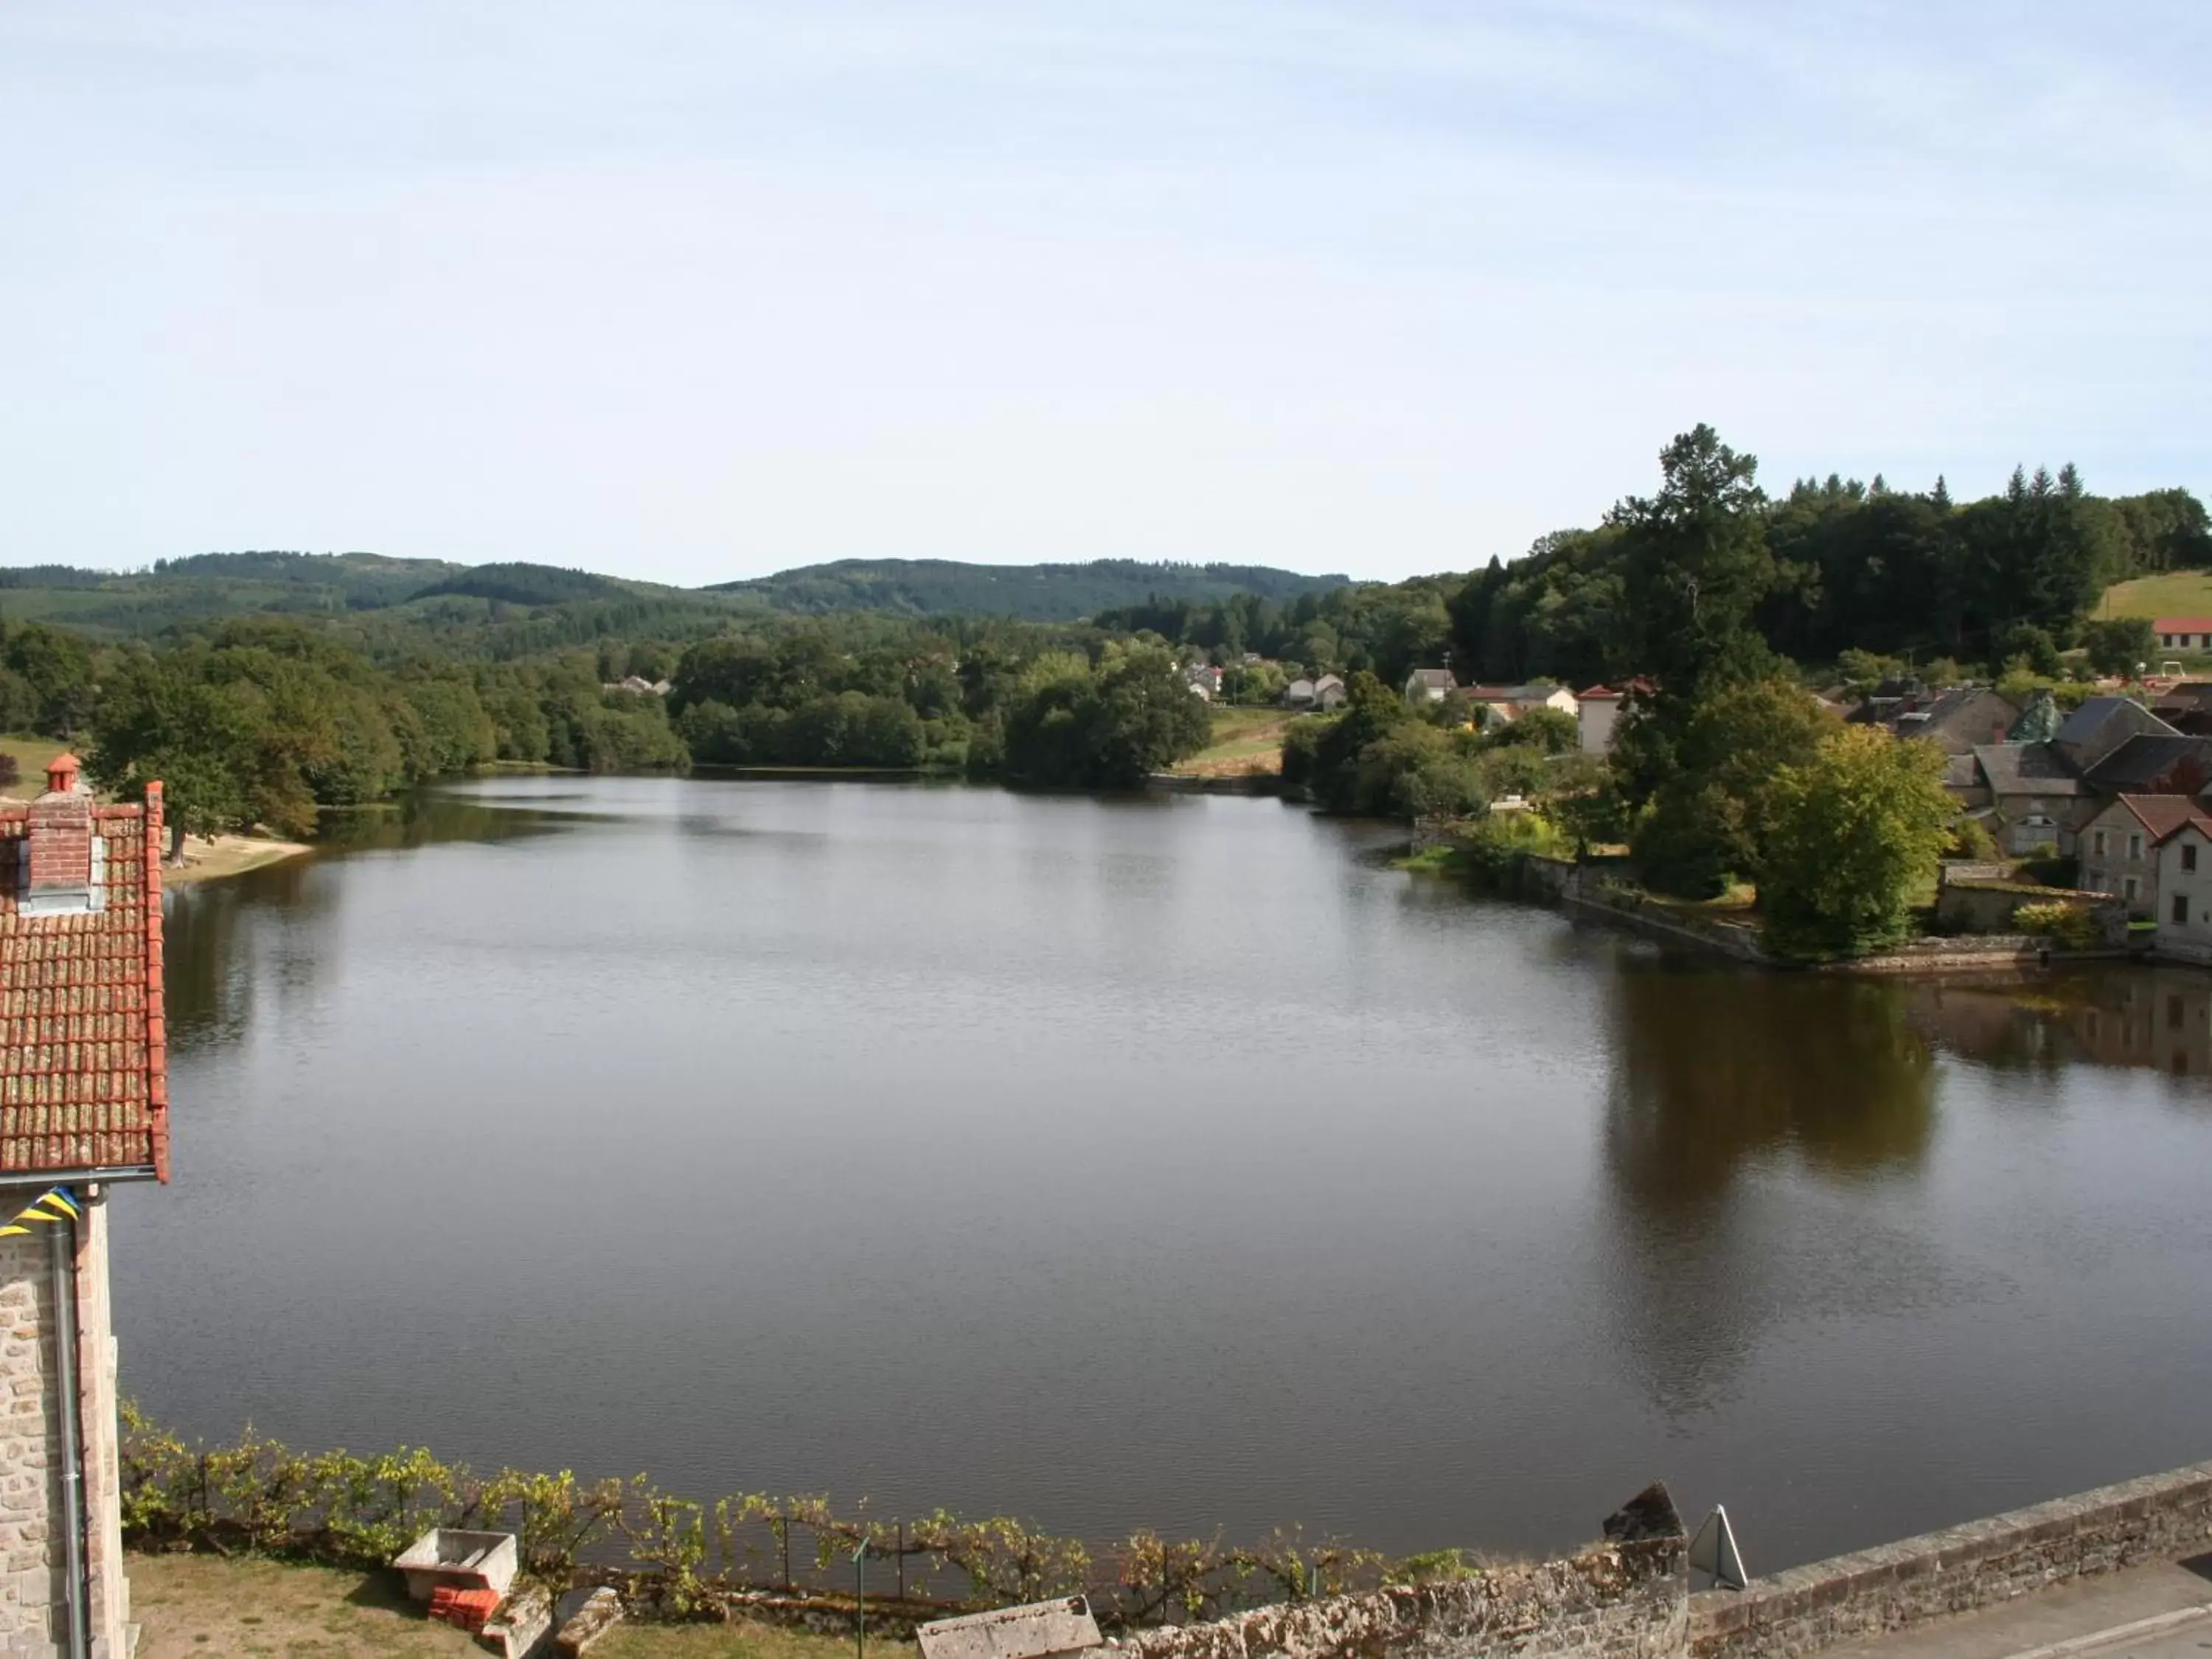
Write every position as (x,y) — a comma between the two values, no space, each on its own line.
(2071,925)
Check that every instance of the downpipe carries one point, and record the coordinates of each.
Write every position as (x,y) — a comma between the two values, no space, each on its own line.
(61,1250)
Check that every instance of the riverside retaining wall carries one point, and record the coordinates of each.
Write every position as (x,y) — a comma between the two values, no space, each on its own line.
(1627,1598)
(1852,1598)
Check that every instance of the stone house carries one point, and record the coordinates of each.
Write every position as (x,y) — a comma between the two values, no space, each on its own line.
(2033,797)
(2120,847)
(2184,890)
(1956,721)
(84,1108)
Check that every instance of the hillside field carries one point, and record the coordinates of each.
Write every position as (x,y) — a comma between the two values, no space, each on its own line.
(2175,593)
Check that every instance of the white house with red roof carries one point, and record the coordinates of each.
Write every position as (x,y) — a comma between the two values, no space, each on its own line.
(83,1108)
(2182,633)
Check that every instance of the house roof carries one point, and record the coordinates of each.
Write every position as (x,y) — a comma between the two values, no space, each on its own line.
(1327,681)
(1600,694)
(2024,769)
(1508,693)
(83,1042)
(2146,757)
(2182,625)
(1436,677)
(2083,726)
(2164,815)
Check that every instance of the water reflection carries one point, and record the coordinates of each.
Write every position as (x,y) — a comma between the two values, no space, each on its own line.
(2158,1019)
(1726,1086)
(1715,1068)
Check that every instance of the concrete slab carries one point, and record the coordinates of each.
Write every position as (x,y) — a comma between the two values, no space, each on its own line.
(2153,1612)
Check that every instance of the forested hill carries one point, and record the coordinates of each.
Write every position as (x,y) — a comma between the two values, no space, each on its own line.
(1032,592)
(380,594)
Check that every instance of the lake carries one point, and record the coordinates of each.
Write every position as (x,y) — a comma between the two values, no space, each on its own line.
(1165,1161)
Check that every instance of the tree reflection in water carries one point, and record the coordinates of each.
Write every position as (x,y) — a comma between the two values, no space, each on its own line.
(1735,1097)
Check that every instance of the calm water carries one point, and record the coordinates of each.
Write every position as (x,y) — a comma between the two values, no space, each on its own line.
(1165,1162)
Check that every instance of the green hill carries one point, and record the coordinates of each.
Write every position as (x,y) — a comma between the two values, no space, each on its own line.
(1033,593)
(2172,593)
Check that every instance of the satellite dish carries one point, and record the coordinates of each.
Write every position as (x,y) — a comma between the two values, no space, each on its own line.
(1713,1552)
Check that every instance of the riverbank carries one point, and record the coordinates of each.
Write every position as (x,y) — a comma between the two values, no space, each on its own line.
(1601,892)
(209,858)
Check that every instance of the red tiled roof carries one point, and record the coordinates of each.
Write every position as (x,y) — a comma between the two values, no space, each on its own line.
(83,1035)
(2166,816)
(2182,625)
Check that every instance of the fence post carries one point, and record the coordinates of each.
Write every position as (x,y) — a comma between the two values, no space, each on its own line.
(901,1561)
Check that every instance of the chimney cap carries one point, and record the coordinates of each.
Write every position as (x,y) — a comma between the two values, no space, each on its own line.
(61,774)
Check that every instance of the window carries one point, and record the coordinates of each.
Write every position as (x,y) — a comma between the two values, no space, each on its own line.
(2173,1013)
(2134,846)
(2181,908)
(2097,844)
(2128,889)
(2189,855)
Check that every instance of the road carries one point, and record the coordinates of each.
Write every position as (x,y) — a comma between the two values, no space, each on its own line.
(2161,1611)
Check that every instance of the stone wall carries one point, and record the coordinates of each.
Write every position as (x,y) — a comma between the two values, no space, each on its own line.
(1852,1598)
(1624,1598)
(31,1552)
(30,1445)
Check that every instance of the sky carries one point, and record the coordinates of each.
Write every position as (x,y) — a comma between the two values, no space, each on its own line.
(695,291)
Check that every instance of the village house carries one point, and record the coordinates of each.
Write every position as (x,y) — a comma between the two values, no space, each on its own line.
(2182,633)
(1205,679)
(1958,720)
(2148,765)
(1597,711)
(1324,694)
(84,1108)
(2120,847)
(2025,793)
(1427,685)
(2187,707)
(1487,705)
(2101,725)
(2185,884)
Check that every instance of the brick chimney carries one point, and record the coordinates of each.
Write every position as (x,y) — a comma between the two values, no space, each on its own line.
(60,853)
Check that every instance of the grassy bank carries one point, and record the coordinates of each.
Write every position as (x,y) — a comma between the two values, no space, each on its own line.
(2175,593)
(1245,740)
(196,1605)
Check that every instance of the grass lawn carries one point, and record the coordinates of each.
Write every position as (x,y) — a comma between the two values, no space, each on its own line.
(31,755)
(202,1605)
(2176,593)
(746,1641)
(1244,740)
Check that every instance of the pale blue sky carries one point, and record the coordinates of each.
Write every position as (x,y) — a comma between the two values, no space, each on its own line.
(692,291)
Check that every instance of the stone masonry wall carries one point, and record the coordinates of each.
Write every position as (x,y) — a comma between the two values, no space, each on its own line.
(1623,1599)
(32,1548)
(1614,1601)
(1852,1598)
(30,1446)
